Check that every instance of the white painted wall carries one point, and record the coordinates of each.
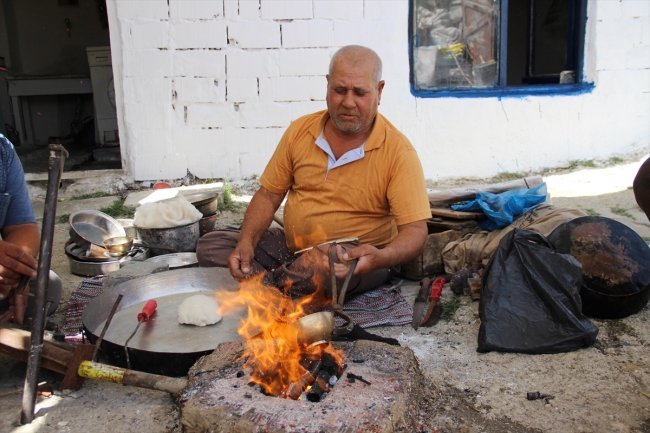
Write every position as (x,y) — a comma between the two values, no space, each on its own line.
(209,86)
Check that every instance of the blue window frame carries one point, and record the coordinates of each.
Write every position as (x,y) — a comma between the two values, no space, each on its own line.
(484,48)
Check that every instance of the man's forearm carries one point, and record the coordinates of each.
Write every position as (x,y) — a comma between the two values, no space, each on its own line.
(24,236)
(259,215)
(407,245)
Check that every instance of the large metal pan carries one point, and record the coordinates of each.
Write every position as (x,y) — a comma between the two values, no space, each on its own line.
(162,345)
(615,265)
(93,227)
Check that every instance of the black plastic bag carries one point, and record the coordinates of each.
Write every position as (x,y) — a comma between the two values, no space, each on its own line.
(530,301)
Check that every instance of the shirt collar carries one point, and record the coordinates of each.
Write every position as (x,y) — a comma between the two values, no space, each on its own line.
(375,139)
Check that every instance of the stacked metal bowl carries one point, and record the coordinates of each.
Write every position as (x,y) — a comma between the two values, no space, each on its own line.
(206,203)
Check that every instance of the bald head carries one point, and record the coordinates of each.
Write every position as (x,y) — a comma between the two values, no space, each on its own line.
(355,56)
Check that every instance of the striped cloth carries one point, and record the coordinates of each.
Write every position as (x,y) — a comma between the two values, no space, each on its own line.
(384,306)
(87,290)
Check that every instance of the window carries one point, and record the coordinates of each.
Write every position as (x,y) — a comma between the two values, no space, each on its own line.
(487,47)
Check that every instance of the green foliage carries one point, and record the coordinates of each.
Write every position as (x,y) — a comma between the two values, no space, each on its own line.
(622,212)
(254,176)
(118,210)
(645,238)
(449,309)
(615,160)
(93,195)
(591,212)
(63,219)
(575,163)
(227,202)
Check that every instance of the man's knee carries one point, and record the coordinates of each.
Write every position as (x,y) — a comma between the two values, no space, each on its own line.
(214,248)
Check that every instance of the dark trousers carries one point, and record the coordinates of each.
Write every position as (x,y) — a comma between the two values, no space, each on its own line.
(306,274)
(641,187)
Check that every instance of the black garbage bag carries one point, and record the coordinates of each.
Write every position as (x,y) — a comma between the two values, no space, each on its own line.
(530,301)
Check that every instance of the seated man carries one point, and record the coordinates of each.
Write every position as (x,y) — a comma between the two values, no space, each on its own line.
(20,237)
(349,173)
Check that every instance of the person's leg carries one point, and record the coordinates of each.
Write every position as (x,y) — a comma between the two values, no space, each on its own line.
(641,187)
(271,252)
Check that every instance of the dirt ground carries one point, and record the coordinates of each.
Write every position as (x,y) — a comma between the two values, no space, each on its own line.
(605,388)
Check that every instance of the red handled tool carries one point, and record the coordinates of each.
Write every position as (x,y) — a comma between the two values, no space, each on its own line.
(436,291)
(147,311)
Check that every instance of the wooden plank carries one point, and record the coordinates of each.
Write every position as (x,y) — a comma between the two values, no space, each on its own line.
(448,213)
(49,86)
(83,352)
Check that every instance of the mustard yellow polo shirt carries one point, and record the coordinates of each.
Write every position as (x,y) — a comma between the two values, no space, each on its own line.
(367,198)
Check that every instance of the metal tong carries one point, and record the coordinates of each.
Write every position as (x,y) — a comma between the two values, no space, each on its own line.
(337,301)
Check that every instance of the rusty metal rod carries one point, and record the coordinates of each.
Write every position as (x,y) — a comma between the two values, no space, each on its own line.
(108,322)
(122,376)
(55,167)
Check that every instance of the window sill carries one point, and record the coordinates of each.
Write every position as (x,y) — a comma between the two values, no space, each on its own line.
(508,92)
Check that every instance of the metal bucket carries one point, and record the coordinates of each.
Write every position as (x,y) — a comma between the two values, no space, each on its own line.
(182,238)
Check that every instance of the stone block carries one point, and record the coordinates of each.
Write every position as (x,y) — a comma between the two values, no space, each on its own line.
(249,9)
(379,10)
(368,33)
(284,89)
(195,9)
(178,114)
(308,34)
(637,58)
(151,141)
(313,61)
(147,63)
(195,140)
(214,165)
(200,34)
(264,63)
(286,9)
(131,270)
(212,115)
(149,34)
(254,34)
(633,8)
(190,89)
(242,89)
(147,90)
(217,399)
(317,88)
(155,166)
(249,140)
(199,63)
(299,109)
(254,163)
(230,9)
(148,116)
(338,9)
(134,9)
(264,114)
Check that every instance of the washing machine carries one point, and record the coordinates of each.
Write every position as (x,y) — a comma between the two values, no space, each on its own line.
(101,75)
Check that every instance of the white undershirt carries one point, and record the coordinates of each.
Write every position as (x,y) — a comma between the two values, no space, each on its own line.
(346,158)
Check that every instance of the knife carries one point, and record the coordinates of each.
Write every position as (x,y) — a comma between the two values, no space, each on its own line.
(436,291)
(420,300)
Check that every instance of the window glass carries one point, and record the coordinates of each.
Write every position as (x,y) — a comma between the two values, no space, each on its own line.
(455,43)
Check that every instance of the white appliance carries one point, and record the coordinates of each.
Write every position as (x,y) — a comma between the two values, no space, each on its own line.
(101,75)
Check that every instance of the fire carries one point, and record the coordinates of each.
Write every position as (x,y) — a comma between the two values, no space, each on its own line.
(275,356)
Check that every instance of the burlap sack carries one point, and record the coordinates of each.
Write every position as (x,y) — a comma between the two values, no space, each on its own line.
(480,246)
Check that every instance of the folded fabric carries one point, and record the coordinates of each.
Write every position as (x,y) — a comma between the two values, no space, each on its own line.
(501,209)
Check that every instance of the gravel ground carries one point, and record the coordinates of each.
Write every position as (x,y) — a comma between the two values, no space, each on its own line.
(605,388)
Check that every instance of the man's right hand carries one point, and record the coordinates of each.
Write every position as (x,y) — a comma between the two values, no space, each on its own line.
(14,262)
(240,261)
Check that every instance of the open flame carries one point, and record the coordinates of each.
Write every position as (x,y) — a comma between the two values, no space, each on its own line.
(274,354)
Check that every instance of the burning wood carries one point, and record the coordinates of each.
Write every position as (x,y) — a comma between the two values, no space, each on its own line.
(279,361)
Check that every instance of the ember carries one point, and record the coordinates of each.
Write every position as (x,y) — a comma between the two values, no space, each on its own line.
(281,364)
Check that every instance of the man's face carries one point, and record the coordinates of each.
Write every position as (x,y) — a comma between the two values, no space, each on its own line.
(352,96)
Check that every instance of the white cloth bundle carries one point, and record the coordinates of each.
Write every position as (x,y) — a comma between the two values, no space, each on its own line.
(174,212)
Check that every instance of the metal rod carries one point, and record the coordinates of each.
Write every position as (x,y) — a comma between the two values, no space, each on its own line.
(55,167)
(126,345)
(108,322)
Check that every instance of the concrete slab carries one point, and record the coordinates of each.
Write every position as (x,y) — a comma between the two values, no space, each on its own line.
(135,199)
(69,206)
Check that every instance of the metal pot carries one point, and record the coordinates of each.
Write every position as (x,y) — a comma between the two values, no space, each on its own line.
(129,228)
(93,227)
(182,239)
(205,202)
(315,327)
(121,245)
(206,224)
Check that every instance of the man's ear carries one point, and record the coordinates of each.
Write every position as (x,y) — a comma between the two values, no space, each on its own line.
(380,87)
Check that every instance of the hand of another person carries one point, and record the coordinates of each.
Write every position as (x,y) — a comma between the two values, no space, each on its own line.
(240,261)
(368,260)
(16,311)
(14,262)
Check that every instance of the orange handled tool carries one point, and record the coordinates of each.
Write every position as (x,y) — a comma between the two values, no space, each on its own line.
(147,311)
(436,291)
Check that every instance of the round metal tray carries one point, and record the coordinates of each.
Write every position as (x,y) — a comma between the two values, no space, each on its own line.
(177,260)
(162,345)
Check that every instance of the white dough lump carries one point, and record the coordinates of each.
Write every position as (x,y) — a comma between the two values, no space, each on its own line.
(198,310)
(174,212)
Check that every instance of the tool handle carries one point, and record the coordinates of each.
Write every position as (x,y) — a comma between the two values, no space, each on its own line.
(436,289)
(147,310)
